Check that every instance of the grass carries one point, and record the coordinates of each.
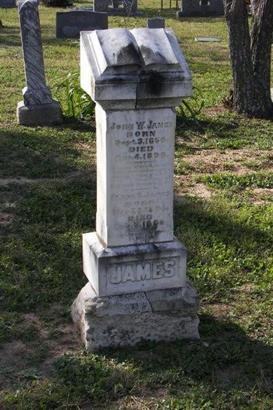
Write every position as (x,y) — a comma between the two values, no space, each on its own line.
(223,213)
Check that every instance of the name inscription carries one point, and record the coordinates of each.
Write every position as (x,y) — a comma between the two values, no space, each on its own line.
(136,272)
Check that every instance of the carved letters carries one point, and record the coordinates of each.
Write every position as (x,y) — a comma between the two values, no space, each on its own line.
(141,197)
(136,272)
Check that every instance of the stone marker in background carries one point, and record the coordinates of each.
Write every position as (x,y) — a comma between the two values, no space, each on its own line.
(70,24)
(116,7)
(156,22)
(208,39)
(201,8)
(7,4)
(136,268)
(38,107)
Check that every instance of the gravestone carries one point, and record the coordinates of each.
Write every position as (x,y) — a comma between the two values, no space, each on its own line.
(201,8)
(37,107)
(7,4)
(116,7)
(137,286)
(70,24)
(208,39)
(156,22)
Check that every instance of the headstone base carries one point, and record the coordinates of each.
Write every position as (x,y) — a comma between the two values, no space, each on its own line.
(133,268)
(125,320)
(44,114)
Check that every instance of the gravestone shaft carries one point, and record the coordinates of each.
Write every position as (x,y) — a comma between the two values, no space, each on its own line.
(36,92)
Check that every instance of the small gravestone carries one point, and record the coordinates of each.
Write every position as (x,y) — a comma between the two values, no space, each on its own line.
(116,7)
(70,24)
(208,39)
(38,107)
(156,22)
(137,286)
(58,3)
(201,8)
(7,4)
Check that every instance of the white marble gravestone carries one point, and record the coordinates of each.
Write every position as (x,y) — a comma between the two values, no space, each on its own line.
(136,268)
(37,107)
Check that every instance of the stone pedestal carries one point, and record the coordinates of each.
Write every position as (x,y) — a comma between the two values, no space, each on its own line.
(127,319)
(133,268)
(136,268)
(43,114)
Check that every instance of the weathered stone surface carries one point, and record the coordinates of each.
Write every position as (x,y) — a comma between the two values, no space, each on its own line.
(179,299)
(130,303)
(135,151)
(156,22)
(133,321)
(129,269)
(7,4)
(70,24)
(136,269)
(201,8)
(38,107)
(43,114)
(36,92)
(140,68)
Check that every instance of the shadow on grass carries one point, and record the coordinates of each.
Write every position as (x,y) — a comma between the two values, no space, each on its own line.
(226,363)
(225,359)
(79,125)
(43,152)
(10,37)
(48,185)
(222,128)
(214,219)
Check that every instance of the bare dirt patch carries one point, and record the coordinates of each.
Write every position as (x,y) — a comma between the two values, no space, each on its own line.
(5,218)
(23,180)
(23,360)
(219,310)
(240,161)
(198,190)
(261,196)
(146,401)
(214,111)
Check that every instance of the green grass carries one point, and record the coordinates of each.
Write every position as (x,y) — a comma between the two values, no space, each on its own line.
(223,213)
(225,181)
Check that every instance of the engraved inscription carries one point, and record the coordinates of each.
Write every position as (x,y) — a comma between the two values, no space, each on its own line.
(142,271)
(142,176)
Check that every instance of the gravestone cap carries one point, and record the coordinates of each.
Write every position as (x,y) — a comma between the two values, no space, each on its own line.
(123,68)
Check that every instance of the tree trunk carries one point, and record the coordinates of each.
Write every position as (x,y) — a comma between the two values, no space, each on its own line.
(250,54)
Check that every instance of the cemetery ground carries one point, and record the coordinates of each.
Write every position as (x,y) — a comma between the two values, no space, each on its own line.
(223,214)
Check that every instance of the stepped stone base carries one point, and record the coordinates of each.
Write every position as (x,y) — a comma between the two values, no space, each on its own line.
(44,114)
(125,320)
